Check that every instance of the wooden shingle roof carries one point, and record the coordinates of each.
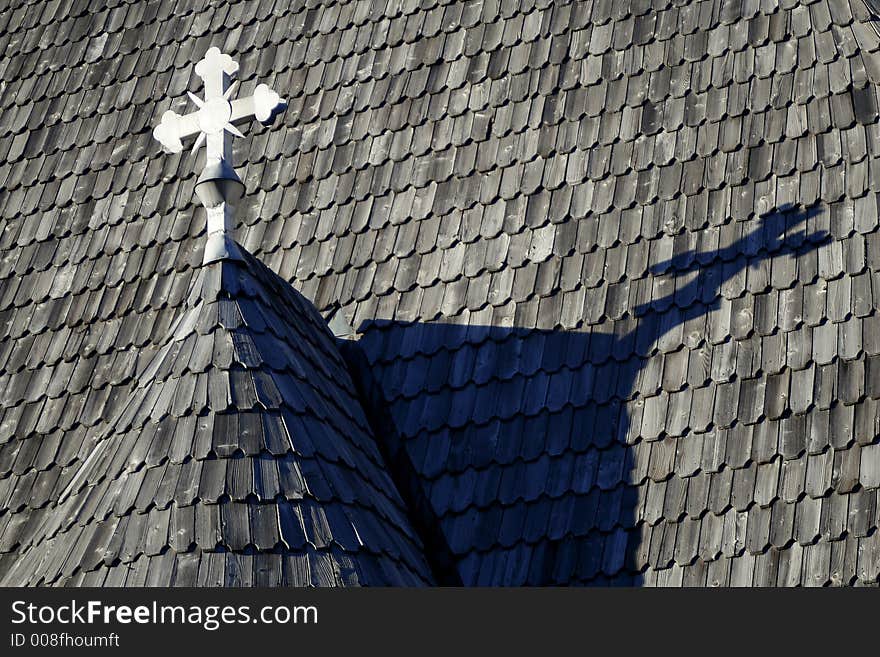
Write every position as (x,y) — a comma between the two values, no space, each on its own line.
(613,265)
(241,456)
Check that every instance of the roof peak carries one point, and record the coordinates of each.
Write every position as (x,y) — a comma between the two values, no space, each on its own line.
(246,427)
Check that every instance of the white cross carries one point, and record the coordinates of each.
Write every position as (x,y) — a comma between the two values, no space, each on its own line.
(215,119)
(214,123)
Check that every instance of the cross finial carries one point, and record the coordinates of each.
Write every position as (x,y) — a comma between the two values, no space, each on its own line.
(214,123)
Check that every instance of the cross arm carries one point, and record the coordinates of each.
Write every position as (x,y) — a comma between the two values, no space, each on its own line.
(261,105)
(174,127)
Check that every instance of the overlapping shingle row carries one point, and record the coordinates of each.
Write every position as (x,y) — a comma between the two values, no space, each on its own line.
(242,444)
(556,224)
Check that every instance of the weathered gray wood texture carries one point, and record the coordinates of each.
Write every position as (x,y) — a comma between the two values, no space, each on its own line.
(556,226)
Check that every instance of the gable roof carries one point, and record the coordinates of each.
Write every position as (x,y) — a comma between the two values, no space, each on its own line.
(510,201)
(240,457)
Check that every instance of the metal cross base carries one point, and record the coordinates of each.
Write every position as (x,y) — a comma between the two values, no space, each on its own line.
(218,187)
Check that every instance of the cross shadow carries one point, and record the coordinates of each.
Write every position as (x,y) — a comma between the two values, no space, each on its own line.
(515,448)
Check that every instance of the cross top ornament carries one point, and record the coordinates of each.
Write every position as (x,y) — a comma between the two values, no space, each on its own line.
(214,124)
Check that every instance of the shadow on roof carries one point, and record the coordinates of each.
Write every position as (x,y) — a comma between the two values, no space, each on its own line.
(525,452)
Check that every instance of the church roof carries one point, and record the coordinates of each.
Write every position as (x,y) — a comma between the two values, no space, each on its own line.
(240,457)
(612,266)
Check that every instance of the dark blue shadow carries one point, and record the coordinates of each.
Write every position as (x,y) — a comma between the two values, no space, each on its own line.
(513,447)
